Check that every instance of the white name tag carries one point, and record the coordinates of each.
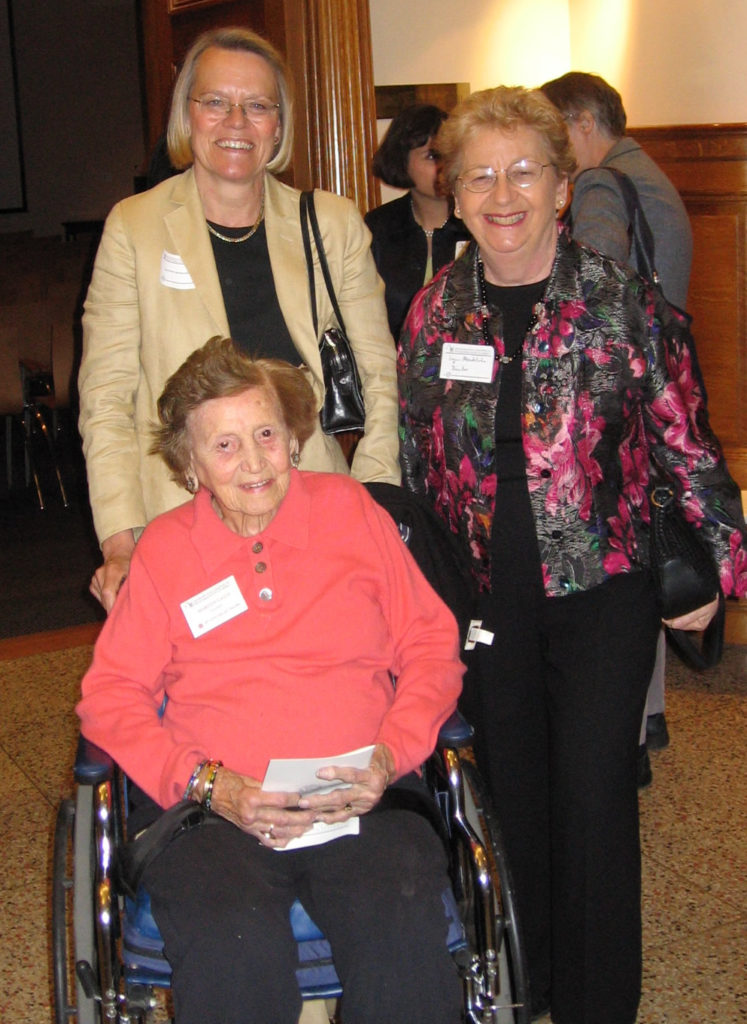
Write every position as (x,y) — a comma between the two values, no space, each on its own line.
(467,362)
(214,606)
(477,635)
(173,272)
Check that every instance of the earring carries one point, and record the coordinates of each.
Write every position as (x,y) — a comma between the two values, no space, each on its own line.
(191,483)
(295,459)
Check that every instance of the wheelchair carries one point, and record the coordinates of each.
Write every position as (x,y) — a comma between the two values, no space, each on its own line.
(108,959)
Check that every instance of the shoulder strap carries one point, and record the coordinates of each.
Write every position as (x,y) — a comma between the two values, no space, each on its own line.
(308,209)
(641,234)
(309,259)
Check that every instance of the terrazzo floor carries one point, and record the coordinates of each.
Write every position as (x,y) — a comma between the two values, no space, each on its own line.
(692,822)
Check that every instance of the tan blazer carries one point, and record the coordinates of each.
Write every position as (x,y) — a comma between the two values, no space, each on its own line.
(155,297)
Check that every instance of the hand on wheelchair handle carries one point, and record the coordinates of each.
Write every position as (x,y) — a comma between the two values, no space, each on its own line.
(109,577)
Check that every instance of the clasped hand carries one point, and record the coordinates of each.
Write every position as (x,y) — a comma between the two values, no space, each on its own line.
(276,818)
(697,619)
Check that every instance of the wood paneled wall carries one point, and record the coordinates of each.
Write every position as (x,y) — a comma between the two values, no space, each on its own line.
(708,165)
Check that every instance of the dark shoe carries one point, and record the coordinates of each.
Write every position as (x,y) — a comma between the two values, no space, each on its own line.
(541,1013)
(657,734)
(645,775)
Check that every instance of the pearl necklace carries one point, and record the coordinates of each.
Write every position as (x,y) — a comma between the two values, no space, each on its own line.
(426,231)
(485,310)
(241,238)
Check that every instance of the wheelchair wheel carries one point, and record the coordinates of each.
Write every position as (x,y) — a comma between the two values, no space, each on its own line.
(513,975)
(73,937)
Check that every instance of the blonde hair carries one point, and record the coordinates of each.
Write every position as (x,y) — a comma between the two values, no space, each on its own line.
(178,132)
(219,370)
(506,108)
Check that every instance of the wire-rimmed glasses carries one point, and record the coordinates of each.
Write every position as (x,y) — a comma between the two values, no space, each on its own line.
(521,173)
(218,107)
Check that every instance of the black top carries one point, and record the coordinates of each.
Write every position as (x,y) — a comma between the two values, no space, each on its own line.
(515,553)
(400,250)
(254,316)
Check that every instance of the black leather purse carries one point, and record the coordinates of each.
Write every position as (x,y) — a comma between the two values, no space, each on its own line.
(343,410)
(686,578)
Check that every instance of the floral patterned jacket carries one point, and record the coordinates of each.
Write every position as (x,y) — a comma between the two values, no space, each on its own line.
(611,394)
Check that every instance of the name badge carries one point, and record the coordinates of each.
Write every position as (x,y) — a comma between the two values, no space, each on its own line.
(467,362)
(174,273)
(214,606)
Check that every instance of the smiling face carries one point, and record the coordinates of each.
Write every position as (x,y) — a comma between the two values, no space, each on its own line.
(241,452)
(514,227)
(232,148)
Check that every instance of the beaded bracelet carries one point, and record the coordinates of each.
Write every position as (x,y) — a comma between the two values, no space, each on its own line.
(189,791)
(207,789)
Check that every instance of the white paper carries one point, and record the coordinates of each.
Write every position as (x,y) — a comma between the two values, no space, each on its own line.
(298,775)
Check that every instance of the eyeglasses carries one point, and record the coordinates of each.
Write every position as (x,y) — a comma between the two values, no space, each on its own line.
(217,107)
(522,173)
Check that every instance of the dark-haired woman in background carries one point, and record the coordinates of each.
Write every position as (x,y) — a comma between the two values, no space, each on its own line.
(415,235)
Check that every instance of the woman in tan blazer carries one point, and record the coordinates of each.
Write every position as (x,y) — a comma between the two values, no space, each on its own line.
(217,250)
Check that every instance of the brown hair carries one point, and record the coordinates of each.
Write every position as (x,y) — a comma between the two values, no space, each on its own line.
(505,108)
(219,370)
(235,38)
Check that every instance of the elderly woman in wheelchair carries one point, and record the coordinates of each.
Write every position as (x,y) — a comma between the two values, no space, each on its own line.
(263,621)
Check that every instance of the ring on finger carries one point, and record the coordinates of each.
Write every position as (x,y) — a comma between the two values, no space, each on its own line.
(348,807)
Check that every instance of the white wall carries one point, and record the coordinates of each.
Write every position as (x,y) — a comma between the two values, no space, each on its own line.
(481,42)
(674,61)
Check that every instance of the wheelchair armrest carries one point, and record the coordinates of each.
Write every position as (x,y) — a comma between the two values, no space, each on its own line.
(455,732)
(92,764)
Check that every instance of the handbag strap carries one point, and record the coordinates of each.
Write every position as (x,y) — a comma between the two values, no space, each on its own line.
(309,260)
(709,652)
(641,234)
(309,210)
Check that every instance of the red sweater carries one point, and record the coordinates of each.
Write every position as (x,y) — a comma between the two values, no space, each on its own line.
(303,672)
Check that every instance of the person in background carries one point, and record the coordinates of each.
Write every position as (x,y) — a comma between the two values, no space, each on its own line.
(599,217)
(294,605)
(415,235)
(217,249)
(541,384)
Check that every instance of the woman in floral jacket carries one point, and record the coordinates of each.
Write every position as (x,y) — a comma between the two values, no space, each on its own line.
(542,388)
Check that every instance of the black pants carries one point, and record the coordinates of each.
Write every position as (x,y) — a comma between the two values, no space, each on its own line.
(221,901)
(557,704)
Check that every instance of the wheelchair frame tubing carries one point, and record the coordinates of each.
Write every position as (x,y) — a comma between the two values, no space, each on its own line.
(484,976)
(106,909)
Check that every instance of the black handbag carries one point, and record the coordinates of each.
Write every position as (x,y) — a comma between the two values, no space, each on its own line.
(343,410)
(686,578)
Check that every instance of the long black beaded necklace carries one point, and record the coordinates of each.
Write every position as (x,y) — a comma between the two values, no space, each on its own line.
(485,310)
